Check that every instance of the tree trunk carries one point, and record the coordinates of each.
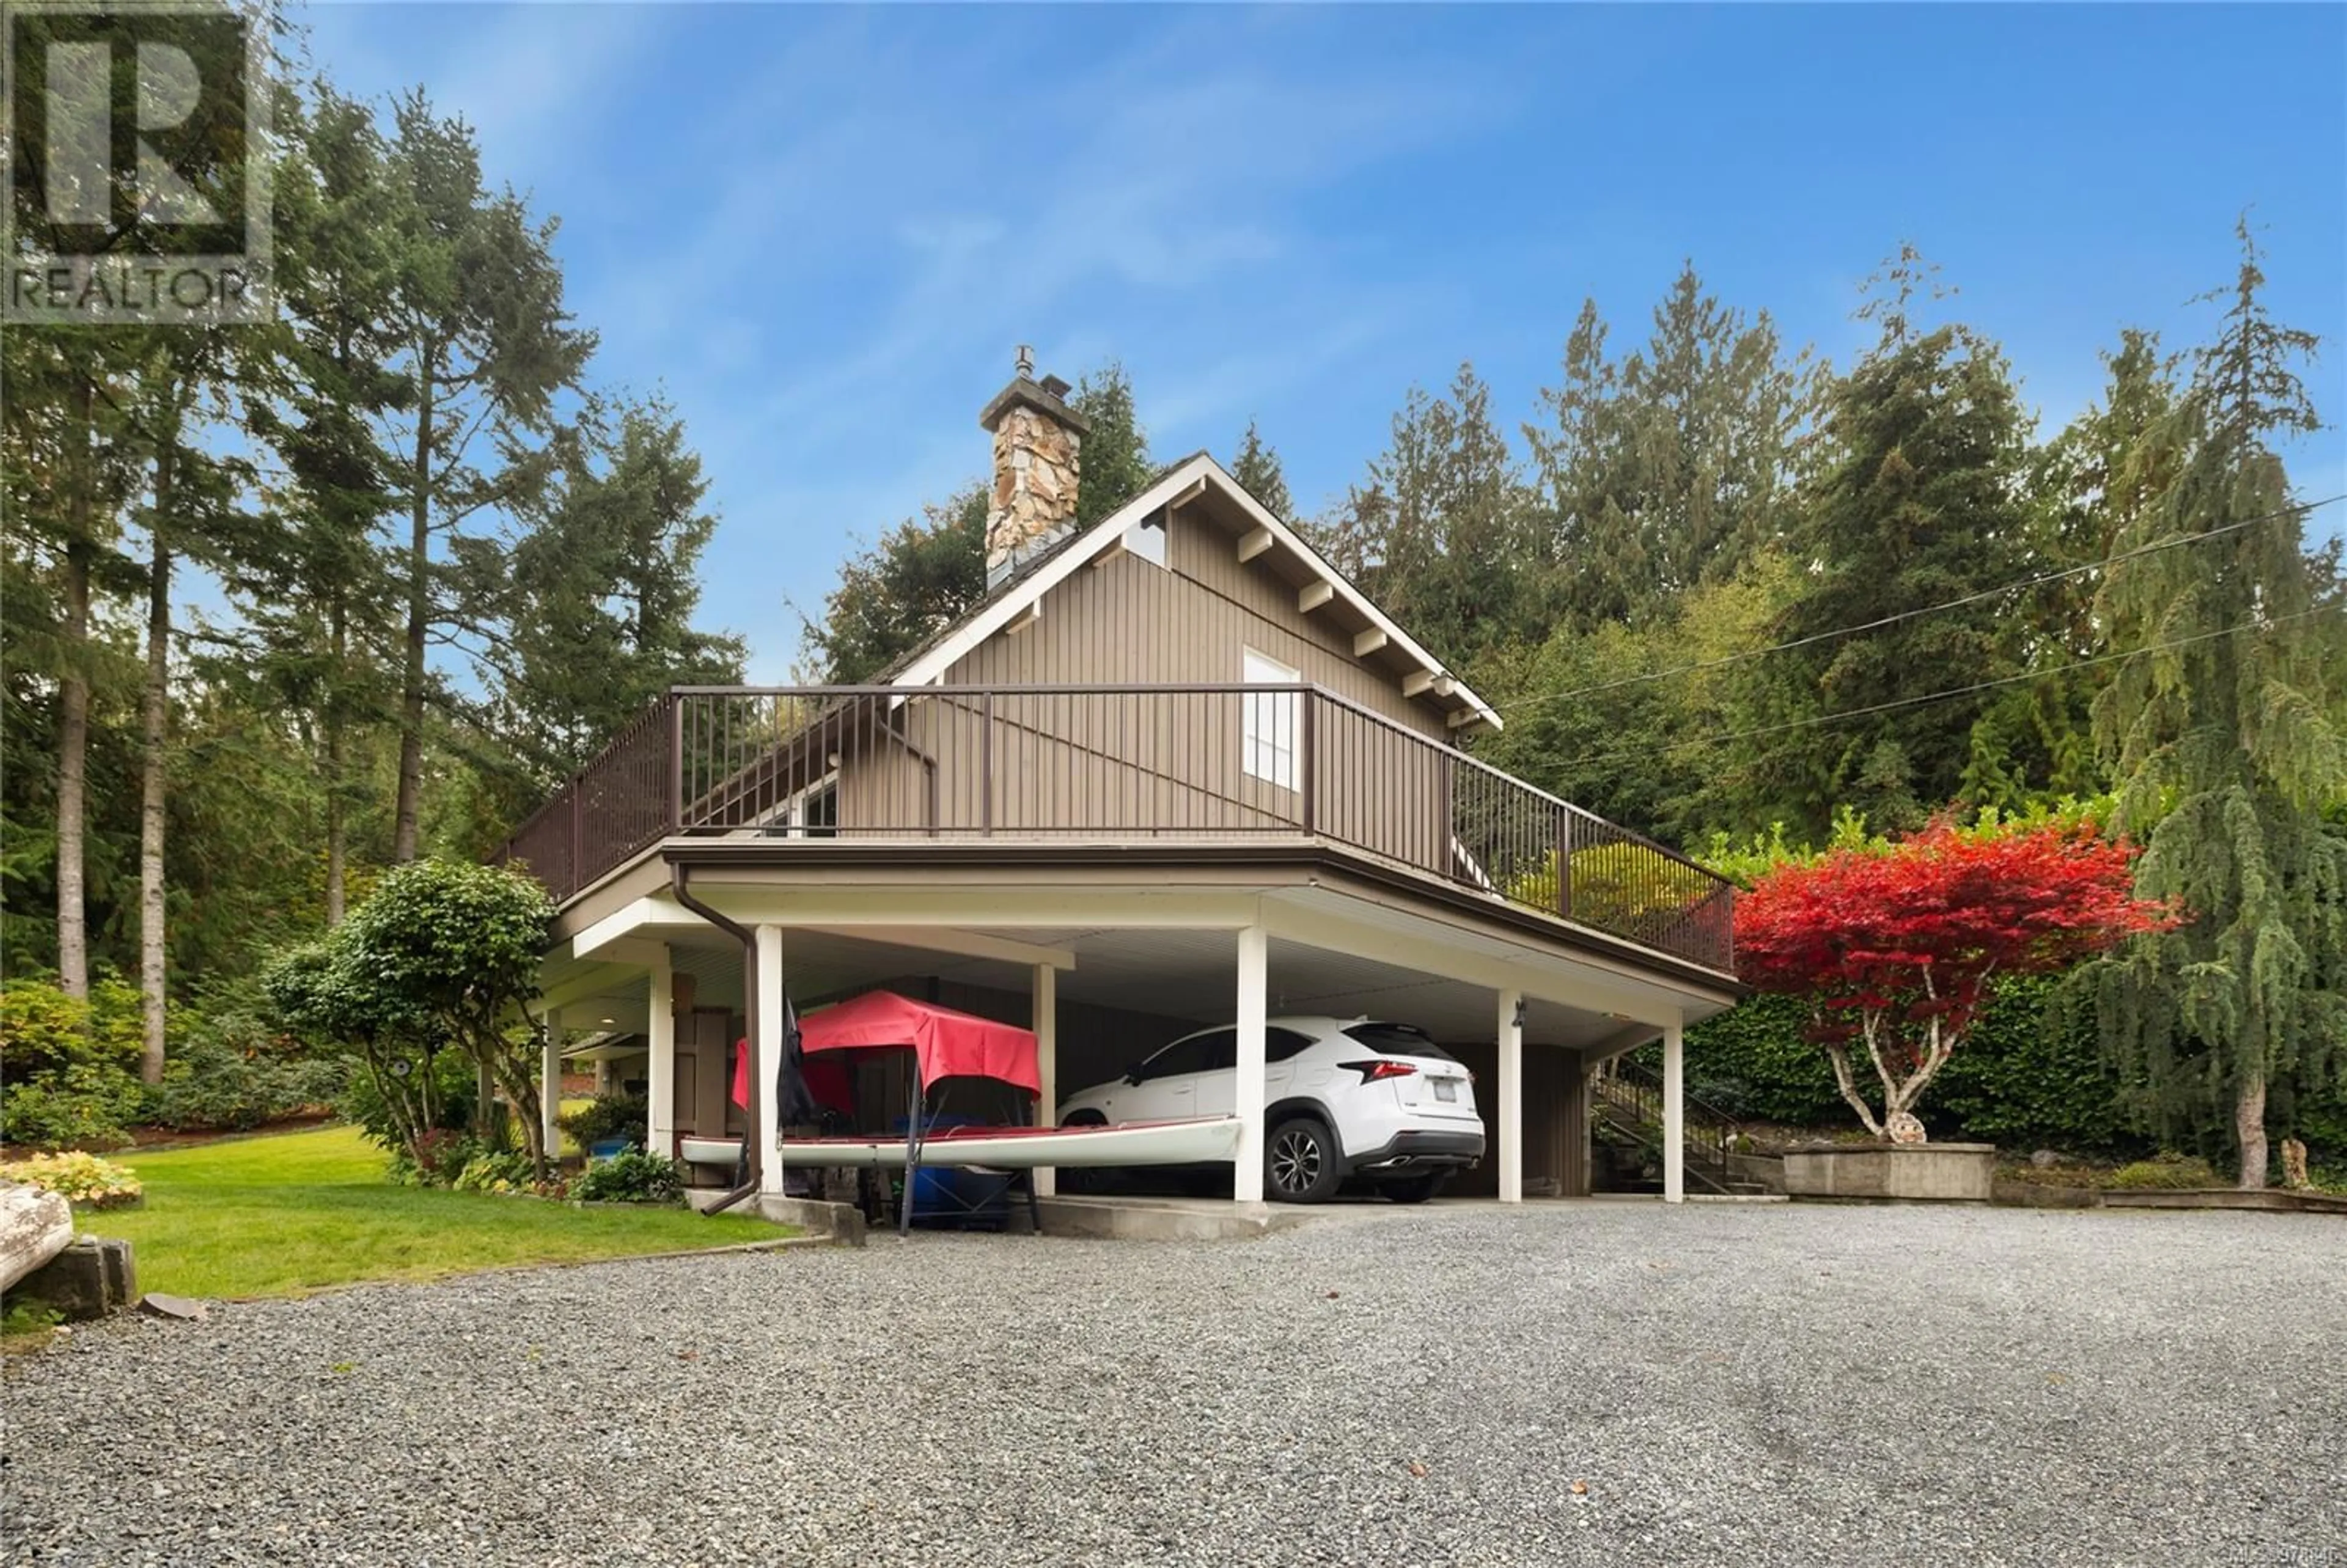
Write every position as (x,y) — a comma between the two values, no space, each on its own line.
(155,716)
(337,828)
(2249,1125)
(73,705)
(419,609)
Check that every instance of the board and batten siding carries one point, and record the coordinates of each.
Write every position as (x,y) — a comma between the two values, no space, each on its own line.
(1191,619)
(1170,764)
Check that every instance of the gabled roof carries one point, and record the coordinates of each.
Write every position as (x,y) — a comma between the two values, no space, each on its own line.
(1178,485)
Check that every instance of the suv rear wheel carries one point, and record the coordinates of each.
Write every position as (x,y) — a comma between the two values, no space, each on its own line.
(1301,1161)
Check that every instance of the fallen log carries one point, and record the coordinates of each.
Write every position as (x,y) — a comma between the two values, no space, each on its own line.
(35,1226)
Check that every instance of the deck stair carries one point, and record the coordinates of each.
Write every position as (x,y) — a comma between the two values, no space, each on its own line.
(1625,1108)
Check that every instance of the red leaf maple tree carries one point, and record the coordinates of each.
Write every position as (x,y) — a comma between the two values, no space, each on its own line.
(1896,948)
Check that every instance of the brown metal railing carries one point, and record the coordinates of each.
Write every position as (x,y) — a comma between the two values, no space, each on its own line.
(1628,1098)
(1110,763)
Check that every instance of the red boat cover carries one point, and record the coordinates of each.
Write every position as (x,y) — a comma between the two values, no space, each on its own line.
(947,1044)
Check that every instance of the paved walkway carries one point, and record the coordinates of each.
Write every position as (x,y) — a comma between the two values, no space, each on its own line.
(1600,1383)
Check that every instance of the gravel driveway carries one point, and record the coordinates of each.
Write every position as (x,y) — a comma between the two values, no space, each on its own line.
(1600,1383)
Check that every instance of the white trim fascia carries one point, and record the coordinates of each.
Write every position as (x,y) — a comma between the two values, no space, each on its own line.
(1568,982)
(997,908)
(1179,485)
(1352,595)
(652,910)
(973,633)
(1043,905)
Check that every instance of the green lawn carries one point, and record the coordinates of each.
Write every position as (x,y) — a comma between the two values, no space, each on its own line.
(295,1213)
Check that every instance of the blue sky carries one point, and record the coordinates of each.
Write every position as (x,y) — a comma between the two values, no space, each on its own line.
(820,232)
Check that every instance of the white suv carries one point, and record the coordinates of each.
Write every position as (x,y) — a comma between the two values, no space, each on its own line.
(1347,1097)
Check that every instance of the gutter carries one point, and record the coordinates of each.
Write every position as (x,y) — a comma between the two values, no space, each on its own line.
(753,1155)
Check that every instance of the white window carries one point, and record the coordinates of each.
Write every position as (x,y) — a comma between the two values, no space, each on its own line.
(1268,740)
(812,812)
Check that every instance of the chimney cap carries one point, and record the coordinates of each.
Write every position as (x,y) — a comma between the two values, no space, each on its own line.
(1045,396)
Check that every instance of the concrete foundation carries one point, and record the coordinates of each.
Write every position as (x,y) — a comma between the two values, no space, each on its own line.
(1941,1173)
(840,1223)
(1161,1219)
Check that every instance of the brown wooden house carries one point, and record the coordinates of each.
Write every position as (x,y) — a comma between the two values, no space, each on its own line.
(1173,771)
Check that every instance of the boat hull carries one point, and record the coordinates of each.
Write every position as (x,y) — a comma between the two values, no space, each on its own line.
(1192,1142)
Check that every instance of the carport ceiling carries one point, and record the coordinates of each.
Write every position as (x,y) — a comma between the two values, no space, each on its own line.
(1194,974)
(1184,974)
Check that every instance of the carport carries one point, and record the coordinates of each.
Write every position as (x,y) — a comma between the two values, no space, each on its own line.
(1106,967)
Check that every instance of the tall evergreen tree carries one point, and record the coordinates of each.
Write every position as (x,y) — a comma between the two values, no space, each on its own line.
(485,346)
(1115,465)
(1257,470)
(1920,499)
(2034,740)
(604,582)
(180,409)
(2225,726)
(1438,533)
(323,604)
(1667,470)
(72,467)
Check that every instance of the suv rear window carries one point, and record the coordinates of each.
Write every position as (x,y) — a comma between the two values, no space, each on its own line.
(1398,1040)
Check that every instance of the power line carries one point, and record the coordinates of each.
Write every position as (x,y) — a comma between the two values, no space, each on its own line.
(1949,695)
(1828,635)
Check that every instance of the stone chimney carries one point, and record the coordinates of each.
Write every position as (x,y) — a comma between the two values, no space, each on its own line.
(1037,439)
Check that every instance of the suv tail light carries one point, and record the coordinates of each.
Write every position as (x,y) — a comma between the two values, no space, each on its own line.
(1371,1072)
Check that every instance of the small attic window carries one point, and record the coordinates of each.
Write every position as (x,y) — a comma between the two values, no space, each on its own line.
(1146,538)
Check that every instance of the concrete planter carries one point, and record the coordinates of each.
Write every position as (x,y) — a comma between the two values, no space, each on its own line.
(1949,1173)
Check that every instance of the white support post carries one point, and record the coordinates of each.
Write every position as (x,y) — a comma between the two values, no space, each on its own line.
(766,1059)
(1254,972)
(660,1037)
(1511,1097)
(1674,1114)
(549,1084)
(1046,1018)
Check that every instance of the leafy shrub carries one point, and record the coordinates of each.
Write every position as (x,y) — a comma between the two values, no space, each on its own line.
(2030,1074)
(212,1084)
(438,1158)
(2165,1169)
(610,1116)
(78,1178)
(503,1171)
(84,1106)
(632,1177)
(71,1067)
(44,1032)
(362,1100)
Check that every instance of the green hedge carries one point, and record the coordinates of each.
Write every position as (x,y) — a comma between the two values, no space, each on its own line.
(2028,1077)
